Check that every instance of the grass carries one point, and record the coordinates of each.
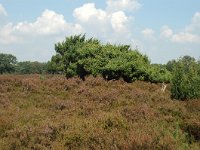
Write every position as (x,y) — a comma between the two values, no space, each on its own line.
(51,112)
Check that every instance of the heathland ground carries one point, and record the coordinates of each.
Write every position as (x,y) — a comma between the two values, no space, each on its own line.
(52,112)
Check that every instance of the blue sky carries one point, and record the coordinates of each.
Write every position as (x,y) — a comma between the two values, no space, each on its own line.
(162,29)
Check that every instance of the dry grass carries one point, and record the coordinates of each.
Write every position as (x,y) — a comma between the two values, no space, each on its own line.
(50,112)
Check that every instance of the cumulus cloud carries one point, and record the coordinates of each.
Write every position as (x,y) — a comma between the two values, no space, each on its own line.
(96,22)
(28,39)
(100,22)
(7,36)
(195,24)
(50,27)
(48,24)
(123,5)
(2,11)
(166,32)
(191,33)
(181,37)
(185,37)
(119,21)
(89,12)
(148,33)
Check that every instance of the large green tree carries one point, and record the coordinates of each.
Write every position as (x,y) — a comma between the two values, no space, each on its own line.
(186,79)
(81,56)
(7,63)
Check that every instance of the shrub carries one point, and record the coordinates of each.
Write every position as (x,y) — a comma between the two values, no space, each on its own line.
(158,73)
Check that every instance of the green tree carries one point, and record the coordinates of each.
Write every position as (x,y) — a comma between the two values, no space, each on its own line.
(123,62)
(72,51)
(170,65)
(186,79)
(81,56)
(55,66)
(67,50)
(7,63)
(28,67)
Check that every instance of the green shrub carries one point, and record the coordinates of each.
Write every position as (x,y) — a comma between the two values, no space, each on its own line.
(158,73)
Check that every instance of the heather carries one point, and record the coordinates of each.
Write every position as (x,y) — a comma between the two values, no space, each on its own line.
(52,112)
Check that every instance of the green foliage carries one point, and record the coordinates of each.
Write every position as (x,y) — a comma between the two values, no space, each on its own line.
(79,56)
(186,79)
(159,73)
(28,67)
(7,63)
(170,65)
(55,66)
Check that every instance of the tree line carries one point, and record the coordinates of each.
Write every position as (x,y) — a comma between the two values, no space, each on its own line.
(78,56)
(9,64)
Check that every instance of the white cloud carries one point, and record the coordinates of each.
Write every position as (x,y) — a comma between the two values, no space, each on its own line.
(100,22)
(88,19)
(166,32)
(185,37)
(123,5)
(95,21)
(181,37)
(28,39)
(119,21)
(148,33)
(7,36)
(196,18)
(89,12)
(195,24)
(2,11)
(191,33)
(48,24)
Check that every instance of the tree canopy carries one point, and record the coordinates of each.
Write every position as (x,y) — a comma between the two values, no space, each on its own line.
(79,56)
(27,67)
(7,63)
(186,79)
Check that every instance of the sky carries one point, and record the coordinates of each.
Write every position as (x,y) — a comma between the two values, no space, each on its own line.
(161,29)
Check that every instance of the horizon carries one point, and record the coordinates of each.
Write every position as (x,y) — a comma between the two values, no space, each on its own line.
(162,30)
